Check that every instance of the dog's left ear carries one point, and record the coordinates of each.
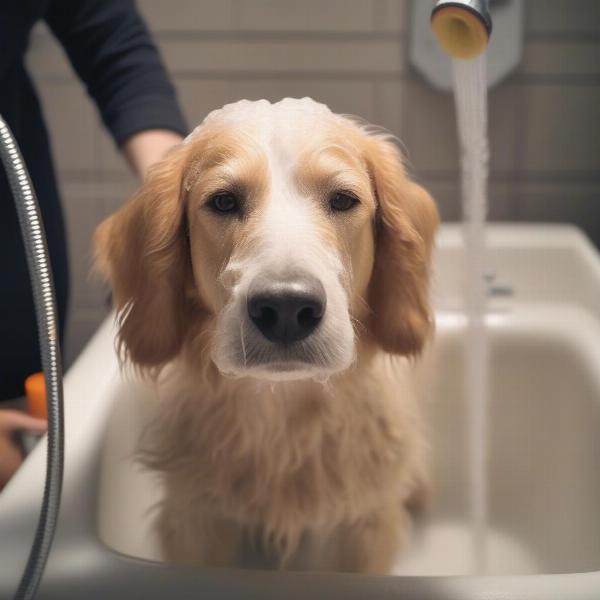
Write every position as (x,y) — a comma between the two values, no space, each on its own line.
(407,219)
(142,251)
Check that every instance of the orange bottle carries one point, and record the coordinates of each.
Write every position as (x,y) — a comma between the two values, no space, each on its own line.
(35,389)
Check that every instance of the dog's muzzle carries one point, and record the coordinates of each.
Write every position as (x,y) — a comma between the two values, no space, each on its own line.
(286,310)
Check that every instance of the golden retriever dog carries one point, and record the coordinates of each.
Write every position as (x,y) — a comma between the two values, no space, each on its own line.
(272,274)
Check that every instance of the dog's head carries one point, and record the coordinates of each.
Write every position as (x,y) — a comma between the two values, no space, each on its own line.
(277,237)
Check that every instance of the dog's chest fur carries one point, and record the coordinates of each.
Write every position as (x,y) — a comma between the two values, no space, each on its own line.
(291,456)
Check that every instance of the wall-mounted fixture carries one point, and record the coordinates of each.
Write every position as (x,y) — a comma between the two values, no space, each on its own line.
(503,54)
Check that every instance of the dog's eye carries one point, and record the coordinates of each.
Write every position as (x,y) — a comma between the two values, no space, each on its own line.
(224,202)
(341,201)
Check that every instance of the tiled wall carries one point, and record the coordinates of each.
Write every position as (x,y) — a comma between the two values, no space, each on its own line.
(351,54)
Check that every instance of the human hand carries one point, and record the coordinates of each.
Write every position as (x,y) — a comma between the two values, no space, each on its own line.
(145,148)
(12,421)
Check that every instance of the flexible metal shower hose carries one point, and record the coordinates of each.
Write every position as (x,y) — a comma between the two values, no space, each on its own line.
(34,240)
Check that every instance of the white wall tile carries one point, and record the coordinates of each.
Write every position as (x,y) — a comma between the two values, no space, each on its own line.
(285,57)
(505,125)
(108,158)
(562,16)
(430,134)
(343,96)
(71,121)
(561,58)
(392,15)
(198,97)
(83,213)
(45,57)
(446,193)
(187,15)
(429,129)
(562,128)
(305,16)
(391,106)
(577,203)
(116,194)
(101,196)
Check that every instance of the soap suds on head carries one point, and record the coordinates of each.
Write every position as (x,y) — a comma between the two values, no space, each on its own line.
(262,110)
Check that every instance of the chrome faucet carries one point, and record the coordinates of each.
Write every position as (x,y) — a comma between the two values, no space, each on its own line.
(463,28)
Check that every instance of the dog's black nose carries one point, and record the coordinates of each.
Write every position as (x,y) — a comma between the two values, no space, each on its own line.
(286,311)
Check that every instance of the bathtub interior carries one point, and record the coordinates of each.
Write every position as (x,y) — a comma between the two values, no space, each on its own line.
(544,456)
(545,423)
(544,460)
(539,264)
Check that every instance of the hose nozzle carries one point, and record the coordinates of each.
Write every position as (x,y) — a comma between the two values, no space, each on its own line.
(462,28)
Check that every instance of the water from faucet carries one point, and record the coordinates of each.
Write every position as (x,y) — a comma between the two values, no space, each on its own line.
(470,95)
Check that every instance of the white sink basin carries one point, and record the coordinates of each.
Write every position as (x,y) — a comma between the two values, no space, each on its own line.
(544,466)
(527,263)
(544,450)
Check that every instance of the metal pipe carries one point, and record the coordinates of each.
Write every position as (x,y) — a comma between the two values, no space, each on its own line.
(40,273)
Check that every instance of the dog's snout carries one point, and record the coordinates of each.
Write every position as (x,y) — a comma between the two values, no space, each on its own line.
(286,311)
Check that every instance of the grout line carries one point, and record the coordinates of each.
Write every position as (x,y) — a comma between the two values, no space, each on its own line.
(377,34)
(280,35)
(256,35)
(572,79)
(406,75)
(576,37)
(95,177)
(377,15)
(376,95)
(591,178)
(235,13)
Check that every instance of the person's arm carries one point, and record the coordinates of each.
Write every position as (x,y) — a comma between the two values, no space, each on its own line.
(112,51)
(147,147)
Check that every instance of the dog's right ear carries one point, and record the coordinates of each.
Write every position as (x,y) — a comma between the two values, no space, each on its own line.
(407,220)
(141,249)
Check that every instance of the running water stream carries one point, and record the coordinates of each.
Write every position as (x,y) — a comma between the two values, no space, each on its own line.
(470,95)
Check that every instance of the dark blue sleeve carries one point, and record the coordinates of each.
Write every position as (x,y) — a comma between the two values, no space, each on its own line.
(112,51)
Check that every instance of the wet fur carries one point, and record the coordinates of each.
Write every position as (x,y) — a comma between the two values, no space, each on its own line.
(310,475)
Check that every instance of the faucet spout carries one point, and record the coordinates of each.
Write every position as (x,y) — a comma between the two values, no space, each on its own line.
(463,28)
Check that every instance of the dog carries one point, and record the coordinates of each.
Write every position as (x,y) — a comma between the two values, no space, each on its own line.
(272,273)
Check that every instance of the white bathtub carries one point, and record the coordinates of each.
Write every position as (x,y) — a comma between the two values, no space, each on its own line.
(544,538)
